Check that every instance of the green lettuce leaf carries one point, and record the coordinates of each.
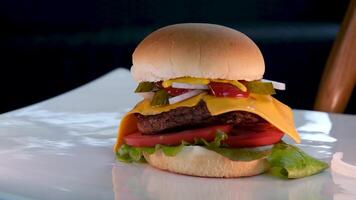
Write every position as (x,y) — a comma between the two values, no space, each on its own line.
(128,154)
(289,161)
(240,154)
(216,143)
(286,161)
(170,150)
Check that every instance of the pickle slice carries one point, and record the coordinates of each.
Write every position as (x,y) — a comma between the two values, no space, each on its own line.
(160,98)
(145,87)
(259,87)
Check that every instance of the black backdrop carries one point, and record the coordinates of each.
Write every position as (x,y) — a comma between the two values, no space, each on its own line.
(49,47)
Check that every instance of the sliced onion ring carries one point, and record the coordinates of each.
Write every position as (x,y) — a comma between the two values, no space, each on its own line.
(341,167)
(189,86)
(276,85)
(184,96)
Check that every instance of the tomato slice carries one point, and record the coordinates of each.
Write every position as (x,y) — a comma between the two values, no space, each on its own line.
(176,91)
(258,134)
(226,90)
(254,135)
(175,138)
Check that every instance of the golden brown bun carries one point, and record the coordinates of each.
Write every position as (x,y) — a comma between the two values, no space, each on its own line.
(197,50)
(198,161)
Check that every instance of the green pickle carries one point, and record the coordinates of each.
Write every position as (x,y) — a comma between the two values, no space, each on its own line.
(259,87)
(160,98)
(145,87)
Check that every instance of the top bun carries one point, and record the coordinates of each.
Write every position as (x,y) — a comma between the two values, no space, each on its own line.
(197,50)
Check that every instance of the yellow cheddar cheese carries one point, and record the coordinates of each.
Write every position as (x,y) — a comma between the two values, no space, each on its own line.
(190,80)
(264,106)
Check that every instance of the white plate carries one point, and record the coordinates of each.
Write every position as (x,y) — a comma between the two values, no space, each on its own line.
(62,149)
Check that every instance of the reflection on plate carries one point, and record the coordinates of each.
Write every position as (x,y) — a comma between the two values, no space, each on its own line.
(140,181)
(346,187)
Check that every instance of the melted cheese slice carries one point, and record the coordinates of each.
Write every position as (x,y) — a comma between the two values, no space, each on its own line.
(264,106)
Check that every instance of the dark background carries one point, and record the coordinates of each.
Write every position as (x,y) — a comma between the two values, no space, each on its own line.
(49,47)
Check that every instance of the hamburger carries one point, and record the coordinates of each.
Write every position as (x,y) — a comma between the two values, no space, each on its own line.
(206,109)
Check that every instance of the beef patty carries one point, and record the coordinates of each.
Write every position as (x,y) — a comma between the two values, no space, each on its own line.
(185,117)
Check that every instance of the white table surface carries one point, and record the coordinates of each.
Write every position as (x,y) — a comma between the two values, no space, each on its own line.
(62,149)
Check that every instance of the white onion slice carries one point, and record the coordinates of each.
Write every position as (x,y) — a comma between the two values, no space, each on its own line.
(184,96)
(189,86)
(341,167)
(147,95)
(276,85)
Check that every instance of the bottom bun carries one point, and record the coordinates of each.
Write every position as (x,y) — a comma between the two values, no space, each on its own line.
(199,161)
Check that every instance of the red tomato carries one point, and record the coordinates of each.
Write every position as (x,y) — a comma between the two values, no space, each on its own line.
(226,90)
(176,91)
(254,135)
(175,138)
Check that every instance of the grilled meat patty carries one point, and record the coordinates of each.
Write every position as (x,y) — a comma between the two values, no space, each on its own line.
(190,117)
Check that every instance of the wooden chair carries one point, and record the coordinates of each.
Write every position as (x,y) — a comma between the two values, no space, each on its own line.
(339,76)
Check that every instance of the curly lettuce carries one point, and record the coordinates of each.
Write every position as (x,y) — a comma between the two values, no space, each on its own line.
(289,161)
